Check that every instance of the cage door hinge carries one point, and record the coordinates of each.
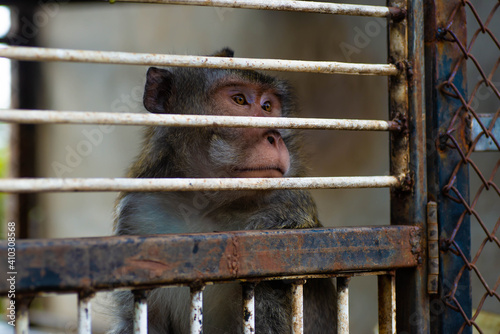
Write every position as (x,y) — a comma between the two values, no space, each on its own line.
(433,248)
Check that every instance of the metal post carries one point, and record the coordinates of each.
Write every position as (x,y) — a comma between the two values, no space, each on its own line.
(298,307)
(84,316)
(408,156)
(386,304)
(140,312)
(343,305)
(22,315)
(446,76)
(197,309)
(248,290)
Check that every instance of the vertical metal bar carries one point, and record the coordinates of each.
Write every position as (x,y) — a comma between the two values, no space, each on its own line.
(140,312)
(197,309)
(84,316)
(22,316)
(386,304)
(408,155)
(432,248)
(248,290)
(298,307)
(343,305)
(444,63)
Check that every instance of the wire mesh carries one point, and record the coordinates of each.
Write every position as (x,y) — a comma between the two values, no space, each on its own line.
(485,168)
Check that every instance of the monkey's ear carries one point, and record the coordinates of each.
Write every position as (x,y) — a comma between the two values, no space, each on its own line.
(226,52)
(159,90)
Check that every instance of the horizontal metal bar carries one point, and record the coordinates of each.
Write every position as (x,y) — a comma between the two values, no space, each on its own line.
(78,117)
(108,57)
(29,185)
(295,6)
(486,142)
(65,265)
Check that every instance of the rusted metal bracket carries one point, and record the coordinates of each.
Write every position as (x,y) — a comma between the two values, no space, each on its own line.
(433,248)
(68,265)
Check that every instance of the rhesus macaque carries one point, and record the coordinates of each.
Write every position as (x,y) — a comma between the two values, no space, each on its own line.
(178,152)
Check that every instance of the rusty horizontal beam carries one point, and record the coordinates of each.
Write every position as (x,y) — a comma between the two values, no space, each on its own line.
(66,265)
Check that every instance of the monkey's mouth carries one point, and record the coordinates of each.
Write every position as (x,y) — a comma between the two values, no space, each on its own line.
(270,171)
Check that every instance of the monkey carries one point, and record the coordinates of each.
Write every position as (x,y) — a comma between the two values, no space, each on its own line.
(181,152)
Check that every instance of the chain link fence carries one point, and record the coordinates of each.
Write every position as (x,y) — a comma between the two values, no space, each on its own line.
(477,146)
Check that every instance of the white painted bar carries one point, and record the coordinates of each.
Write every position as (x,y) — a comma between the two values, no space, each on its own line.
(79,117)
(248,291)
(22,317)
(84,316)
(282,5)
(140,313)
(30,185)
(129,58)
(298,307)
(343,305)
(196,310)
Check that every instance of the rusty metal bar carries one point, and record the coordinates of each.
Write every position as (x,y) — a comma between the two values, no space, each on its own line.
(21,321)
(432,248)
(298,307)
(84,315)
(248,290)
(28,185)
(108,57)
(140,312)
(76,117)
(408,156)
(294,6)
(65,265)
(387,304)
(448,186)
(343,305)
(196,316)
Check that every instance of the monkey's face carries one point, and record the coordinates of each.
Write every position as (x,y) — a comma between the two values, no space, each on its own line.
(224,152)
(248,152)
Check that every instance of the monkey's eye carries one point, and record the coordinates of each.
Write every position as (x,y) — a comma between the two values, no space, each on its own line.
(267,106)
(240,99)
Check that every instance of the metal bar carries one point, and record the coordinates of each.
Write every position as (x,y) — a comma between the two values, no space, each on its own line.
(76,117)
(27,185)
(294,6)
(21,319)
(343,305)
(84,315)
(248,290)
(408,156)
(298,307)
(387,304)
(446,66)
(140,312)
(65,265)
(196,316)
(432,248)
(107,57)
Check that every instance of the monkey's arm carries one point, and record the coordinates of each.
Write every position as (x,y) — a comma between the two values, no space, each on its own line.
(289,209)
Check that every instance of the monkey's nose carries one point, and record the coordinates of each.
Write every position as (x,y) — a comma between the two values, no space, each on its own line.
(273,137)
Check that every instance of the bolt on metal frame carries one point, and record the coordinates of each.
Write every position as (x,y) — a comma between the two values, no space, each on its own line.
(398,246)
